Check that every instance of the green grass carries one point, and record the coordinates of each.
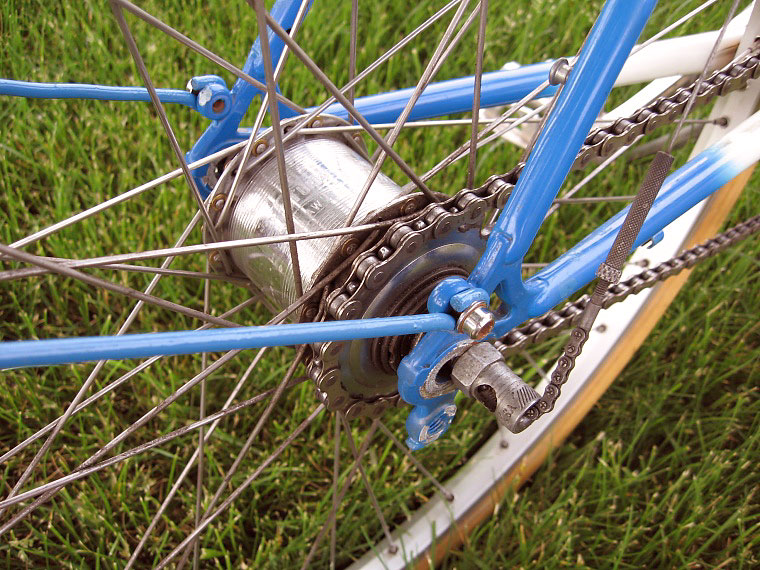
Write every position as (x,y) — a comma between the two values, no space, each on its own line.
(662,472)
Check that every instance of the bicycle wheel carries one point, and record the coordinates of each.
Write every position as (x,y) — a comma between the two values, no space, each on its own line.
(64,155)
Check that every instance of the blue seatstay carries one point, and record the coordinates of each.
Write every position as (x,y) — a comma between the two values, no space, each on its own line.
(500,268)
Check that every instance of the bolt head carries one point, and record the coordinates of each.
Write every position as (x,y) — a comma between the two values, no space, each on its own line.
(476,321)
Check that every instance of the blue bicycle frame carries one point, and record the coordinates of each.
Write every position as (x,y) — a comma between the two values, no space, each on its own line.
(579,103)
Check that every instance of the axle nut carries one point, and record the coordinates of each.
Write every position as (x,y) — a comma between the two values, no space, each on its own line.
(476,321)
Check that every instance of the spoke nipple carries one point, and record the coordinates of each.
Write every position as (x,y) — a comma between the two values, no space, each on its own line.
(393,549)
(218,202)
(449,497)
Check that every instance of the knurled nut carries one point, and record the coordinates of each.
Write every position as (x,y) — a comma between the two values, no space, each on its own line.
(608,273)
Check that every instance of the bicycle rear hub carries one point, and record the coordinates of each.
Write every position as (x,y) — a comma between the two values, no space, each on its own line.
(392,275)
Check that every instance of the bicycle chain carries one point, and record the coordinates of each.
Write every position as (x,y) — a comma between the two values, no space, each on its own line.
(466,209)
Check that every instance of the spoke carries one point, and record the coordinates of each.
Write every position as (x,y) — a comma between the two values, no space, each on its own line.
(73,406)
(594,199)
(208,54)
(672,26)
(174,143)
(476,95)
(124,434)
(544,376)
(237,492)
(201,416)
(482,139)
(274,113)
(427,75)
(352,47)
(190,249)
(392,548)
(123,197)
(253,435)
(320,75)
(448,495)
(698,86)
(259,118)
(346,484)
(336,475)
(591,175)
(60,268)
(167,500)
(244,281)
(301,123)
(459,122)
(280,317)
(108,388)
(142,448)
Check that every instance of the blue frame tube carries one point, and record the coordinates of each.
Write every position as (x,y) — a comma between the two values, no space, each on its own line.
(693,182)
(34,90)
(439,99)
(610,41)
(63,351)
(452,96)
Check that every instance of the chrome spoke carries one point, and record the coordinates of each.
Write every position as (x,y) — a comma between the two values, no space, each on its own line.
(347,483)
(589,177)
(189,250)
(263,418)
(482,139)
(243,281)
(274,113)
(702,75)
(108,388)
(594,199)
(36,236)
(476,94)
(208,54)
(62,269)
(201,416)
(427,123)
(427,75)
(142,448)
(673,26)
(158,106)
(237,492)
(392,548)
(300,125)
(532,361)
(173,491)
(353,30)
(145,418)
(250,144)
(335,92)
(334,491)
